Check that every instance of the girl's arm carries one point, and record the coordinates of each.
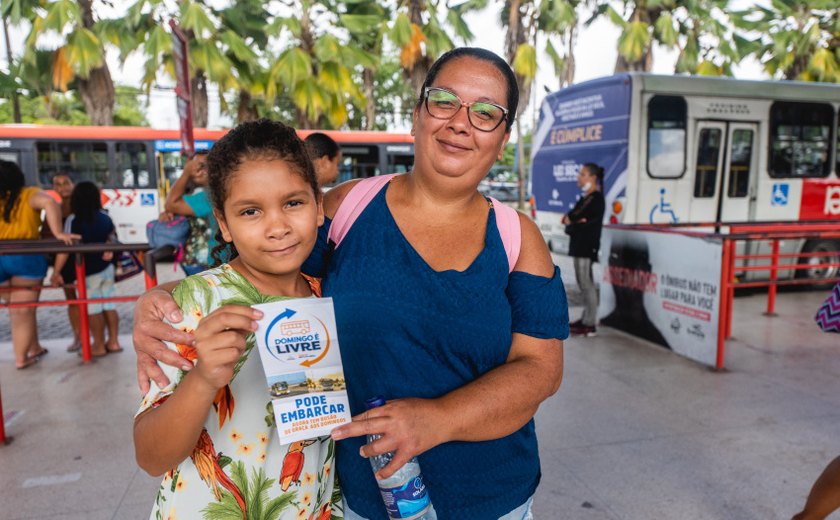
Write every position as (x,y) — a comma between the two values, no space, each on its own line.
(60,260)
(41,201)
(492,406)
(166,435)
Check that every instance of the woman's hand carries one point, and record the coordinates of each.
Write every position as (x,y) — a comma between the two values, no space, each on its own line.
(150,331)
(56,279)
(220,342)
(408,428)
(566,220)
(68,238)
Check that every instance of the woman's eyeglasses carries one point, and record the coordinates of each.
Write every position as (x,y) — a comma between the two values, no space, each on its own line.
(443,104)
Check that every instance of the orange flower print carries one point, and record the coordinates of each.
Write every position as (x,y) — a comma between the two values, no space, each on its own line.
(308,479)
(171,515)
(301,514)
(196,313)
(261,457)
(307,498)
(235,435)
(245,449)
(327,469)
(187,352)
(263,437)
(181,484)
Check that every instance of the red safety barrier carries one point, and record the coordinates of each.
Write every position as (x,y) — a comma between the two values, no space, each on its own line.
(33,247)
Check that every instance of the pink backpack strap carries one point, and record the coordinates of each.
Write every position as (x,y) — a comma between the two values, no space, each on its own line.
(353,204)
(507,220)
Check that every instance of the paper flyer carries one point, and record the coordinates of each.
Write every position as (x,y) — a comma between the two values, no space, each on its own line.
(298,346)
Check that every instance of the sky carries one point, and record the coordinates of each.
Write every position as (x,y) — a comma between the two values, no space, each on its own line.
(595,53)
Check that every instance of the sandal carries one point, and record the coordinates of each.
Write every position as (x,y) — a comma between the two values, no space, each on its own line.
(44,351)
(28,363)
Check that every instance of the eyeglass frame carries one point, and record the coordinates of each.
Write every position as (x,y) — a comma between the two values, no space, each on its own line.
(505,111)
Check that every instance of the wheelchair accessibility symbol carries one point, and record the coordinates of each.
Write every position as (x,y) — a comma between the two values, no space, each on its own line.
(780,194)
(663,208)
(147,199)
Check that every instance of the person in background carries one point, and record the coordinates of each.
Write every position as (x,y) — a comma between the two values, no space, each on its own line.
(428,249)
(20,219)
(196,205)
(583,225)
(95,227)
(63,185)
(325,155)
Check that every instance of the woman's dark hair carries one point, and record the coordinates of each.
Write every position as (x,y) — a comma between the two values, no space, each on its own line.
(253,140)
(85,201)
(320,145)
(484,55)
(11,184)
(597,171)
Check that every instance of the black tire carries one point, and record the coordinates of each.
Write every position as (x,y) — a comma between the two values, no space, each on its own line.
(831,248)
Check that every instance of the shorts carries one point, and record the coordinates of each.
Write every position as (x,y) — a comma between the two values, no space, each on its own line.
(100,285)
(33,267)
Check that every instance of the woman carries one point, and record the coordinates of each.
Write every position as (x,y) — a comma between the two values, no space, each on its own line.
(583,225)
(20,219)
(430,316)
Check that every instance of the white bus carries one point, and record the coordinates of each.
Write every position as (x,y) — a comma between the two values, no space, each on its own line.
(681,149)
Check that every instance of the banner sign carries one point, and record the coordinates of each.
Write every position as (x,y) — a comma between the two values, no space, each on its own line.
(578,126)
(183,99)
(663,287)
(298,346)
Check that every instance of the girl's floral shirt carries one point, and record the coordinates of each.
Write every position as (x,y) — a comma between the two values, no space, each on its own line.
(238,468)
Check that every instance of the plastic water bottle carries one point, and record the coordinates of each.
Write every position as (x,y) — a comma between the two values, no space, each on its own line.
(404,493)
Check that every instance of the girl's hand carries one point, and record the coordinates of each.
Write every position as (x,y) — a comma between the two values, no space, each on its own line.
(68,238)
(108,256)
(149,333)
(57,280)
(408,428)
(220,342)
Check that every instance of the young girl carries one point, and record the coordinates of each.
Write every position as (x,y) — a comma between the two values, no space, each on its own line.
(212,430)
(95,226)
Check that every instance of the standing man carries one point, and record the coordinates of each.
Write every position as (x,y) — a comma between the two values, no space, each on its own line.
(325,155)
(583,225)
(63,185)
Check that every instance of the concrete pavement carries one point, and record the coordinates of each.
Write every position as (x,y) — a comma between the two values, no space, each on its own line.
(635,432)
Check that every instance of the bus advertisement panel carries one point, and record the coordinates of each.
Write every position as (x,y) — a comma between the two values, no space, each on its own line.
(578,126)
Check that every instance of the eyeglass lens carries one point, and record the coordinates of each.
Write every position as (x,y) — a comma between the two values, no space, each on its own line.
(443,104)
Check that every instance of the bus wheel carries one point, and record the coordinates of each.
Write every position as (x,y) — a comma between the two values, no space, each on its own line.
(830,248)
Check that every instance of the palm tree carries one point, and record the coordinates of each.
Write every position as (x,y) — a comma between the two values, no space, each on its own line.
(80,55)
(797,39)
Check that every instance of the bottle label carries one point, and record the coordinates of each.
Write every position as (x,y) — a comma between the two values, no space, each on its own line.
(407,501)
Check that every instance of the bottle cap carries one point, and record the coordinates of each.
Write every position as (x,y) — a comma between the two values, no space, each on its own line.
(374,402)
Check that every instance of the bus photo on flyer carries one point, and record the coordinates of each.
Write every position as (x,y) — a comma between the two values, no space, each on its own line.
(298,346)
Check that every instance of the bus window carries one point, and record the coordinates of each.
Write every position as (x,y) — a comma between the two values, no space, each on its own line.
(400,163)
(666,136)
(800,134)
(837,151)
(708,153)
(740,163)
(82,161)
(358,162)
(132,166)
(11,157)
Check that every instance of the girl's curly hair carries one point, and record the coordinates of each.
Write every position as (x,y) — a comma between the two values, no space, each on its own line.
(263,139)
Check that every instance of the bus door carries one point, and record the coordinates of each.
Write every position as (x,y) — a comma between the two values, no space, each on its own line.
(724,172)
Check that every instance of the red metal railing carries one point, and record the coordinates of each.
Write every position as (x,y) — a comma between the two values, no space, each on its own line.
(36,247)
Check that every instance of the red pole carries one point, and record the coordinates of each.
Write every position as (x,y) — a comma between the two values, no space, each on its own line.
(151,281)
(730,295)
(774,270)
(2,424)
(724,304)
(84,323)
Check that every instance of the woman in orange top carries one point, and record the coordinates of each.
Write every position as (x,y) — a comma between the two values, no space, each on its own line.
(20,219)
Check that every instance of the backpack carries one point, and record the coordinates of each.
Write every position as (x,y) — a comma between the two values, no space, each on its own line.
(360,195)
(170,233)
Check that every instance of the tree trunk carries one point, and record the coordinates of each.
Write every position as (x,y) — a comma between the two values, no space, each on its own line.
(15,100)
(370,107)
(418,72)
(568,78)
(198,91)
(97,93)
(246,110)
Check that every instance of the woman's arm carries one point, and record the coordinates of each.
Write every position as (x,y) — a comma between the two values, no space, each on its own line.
(495,405)
(41,201)
(175,202)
